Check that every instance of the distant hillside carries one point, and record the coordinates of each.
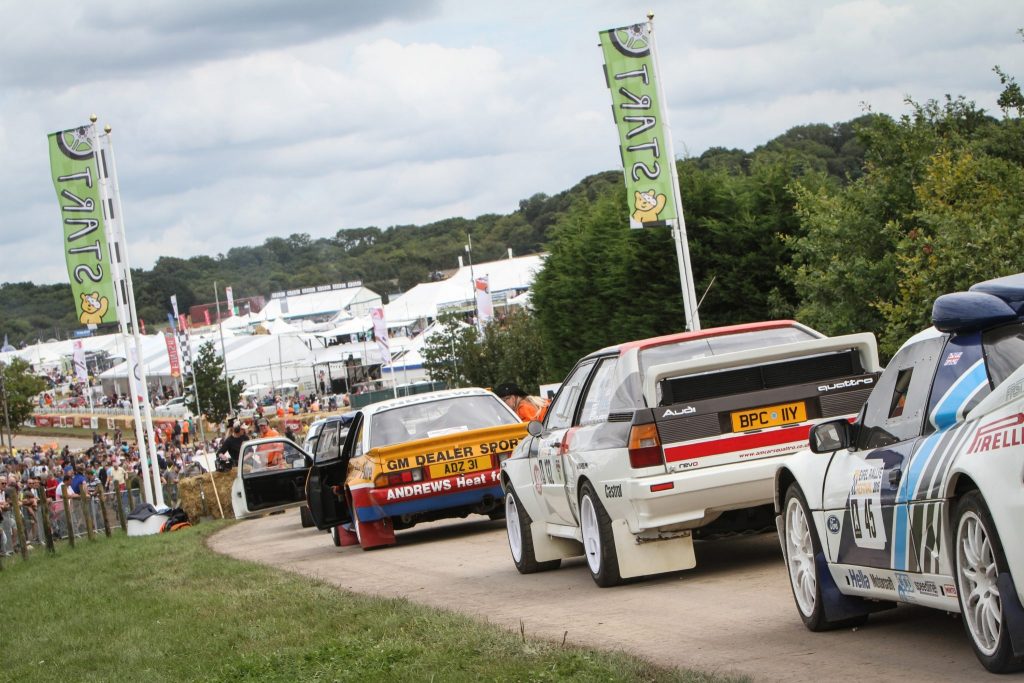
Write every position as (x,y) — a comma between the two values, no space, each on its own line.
(391,260)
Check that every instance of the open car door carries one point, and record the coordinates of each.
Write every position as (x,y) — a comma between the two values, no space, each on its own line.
(270,477)
(327,476)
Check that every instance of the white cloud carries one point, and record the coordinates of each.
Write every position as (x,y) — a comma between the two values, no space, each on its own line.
(240,120)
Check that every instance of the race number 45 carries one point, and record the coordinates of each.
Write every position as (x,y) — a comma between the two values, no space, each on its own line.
(866,509)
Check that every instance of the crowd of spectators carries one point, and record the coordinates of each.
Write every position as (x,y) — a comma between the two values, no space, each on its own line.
(108,466)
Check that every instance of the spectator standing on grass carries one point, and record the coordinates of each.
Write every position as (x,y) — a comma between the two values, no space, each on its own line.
(6,520)
(78,479)
(118,476)
(50,484)
(30,506)
(233,443)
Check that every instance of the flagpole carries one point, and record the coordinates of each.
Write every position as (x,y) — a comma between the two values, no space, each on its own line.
(115,194)
(223,353)
(121,304)
(472,282)
(679,226)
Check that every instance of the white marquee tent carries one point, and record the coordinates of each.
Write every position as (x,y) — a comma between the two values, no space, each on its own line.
(422,301)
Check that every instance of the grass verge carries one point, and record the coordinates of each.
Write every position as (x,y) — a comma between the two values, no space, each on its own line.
(166,608)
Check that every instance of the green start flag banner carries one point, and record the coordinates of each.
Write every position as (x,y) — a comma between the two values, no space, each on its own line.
(630,72)
(75,177)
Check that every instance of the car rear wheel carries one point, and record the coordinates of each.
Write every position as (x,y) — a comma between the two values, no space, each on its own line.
(598,541)
(802,549)
(979,561)
(520,540)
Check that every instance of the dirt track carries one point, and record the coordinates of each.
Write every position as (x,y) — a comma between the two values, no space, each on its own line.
(734,613)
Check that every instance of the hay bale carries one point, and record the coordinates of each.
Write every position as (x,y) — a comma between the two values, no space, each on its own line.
(192,491)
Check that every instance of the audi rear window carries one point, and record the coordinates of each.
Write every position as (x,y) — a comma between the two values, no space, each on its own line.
(716,346)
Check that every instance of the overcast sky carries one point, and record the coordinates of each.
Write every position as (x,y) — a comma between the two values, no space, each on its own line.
(237,120)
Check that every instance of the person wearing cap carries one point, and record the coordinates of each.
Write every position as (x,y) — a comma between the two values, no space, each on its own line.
(525,406)
(273,453)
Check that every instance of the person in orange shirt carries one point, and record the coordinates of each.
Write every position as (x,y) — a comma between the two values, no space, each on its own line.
(525,406)
(274,453)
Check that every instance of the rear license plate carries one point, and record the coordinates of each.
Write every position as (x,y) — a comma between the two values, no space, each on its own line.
(464,466)
(768,416)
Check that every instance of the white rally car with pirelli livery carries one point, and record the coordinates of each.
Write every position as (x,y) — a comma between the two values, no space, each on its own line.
(652,442)
(921,499)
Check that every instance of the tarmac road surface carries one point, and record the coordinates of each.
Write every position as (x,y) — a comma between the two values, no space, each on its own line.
(732,614)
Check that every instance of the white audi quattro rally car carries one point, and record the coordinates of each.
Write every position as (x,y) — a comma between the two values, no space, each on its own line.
(652,441)
(921,499)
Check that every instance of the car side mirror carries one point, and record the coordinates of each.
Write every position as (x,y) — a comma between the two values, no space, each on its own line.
(534,428)
(827,437)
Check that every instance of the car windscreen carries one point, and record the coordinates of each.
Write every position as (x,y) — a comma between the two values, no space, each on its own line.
(436,418)
(691,349)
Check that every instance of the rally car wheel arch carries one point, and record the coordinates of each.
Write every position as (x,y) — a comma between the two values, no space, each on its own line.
(598,540)
(370,535)
(520,539)
(802,547)
(979,560)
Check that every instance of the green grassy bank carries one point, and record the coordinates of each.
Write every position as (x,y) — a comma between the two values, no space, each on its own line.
(166,608)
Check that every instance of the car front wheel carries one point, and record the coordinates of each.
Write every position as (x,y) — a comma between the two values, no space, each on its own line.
(598,541)
(520,540)
(802,548)
(979,561)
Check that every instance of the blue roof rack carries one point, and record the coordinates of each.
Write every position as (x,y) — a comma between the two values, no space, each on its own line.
(1010,289)
(970,311)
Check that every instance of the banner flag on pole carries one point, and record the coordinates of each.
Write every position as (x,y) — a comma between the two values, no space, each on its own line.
(484,304)
(76,180)
(78,360)
(380,334)
(630,73)
(231,301)
(172,354)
